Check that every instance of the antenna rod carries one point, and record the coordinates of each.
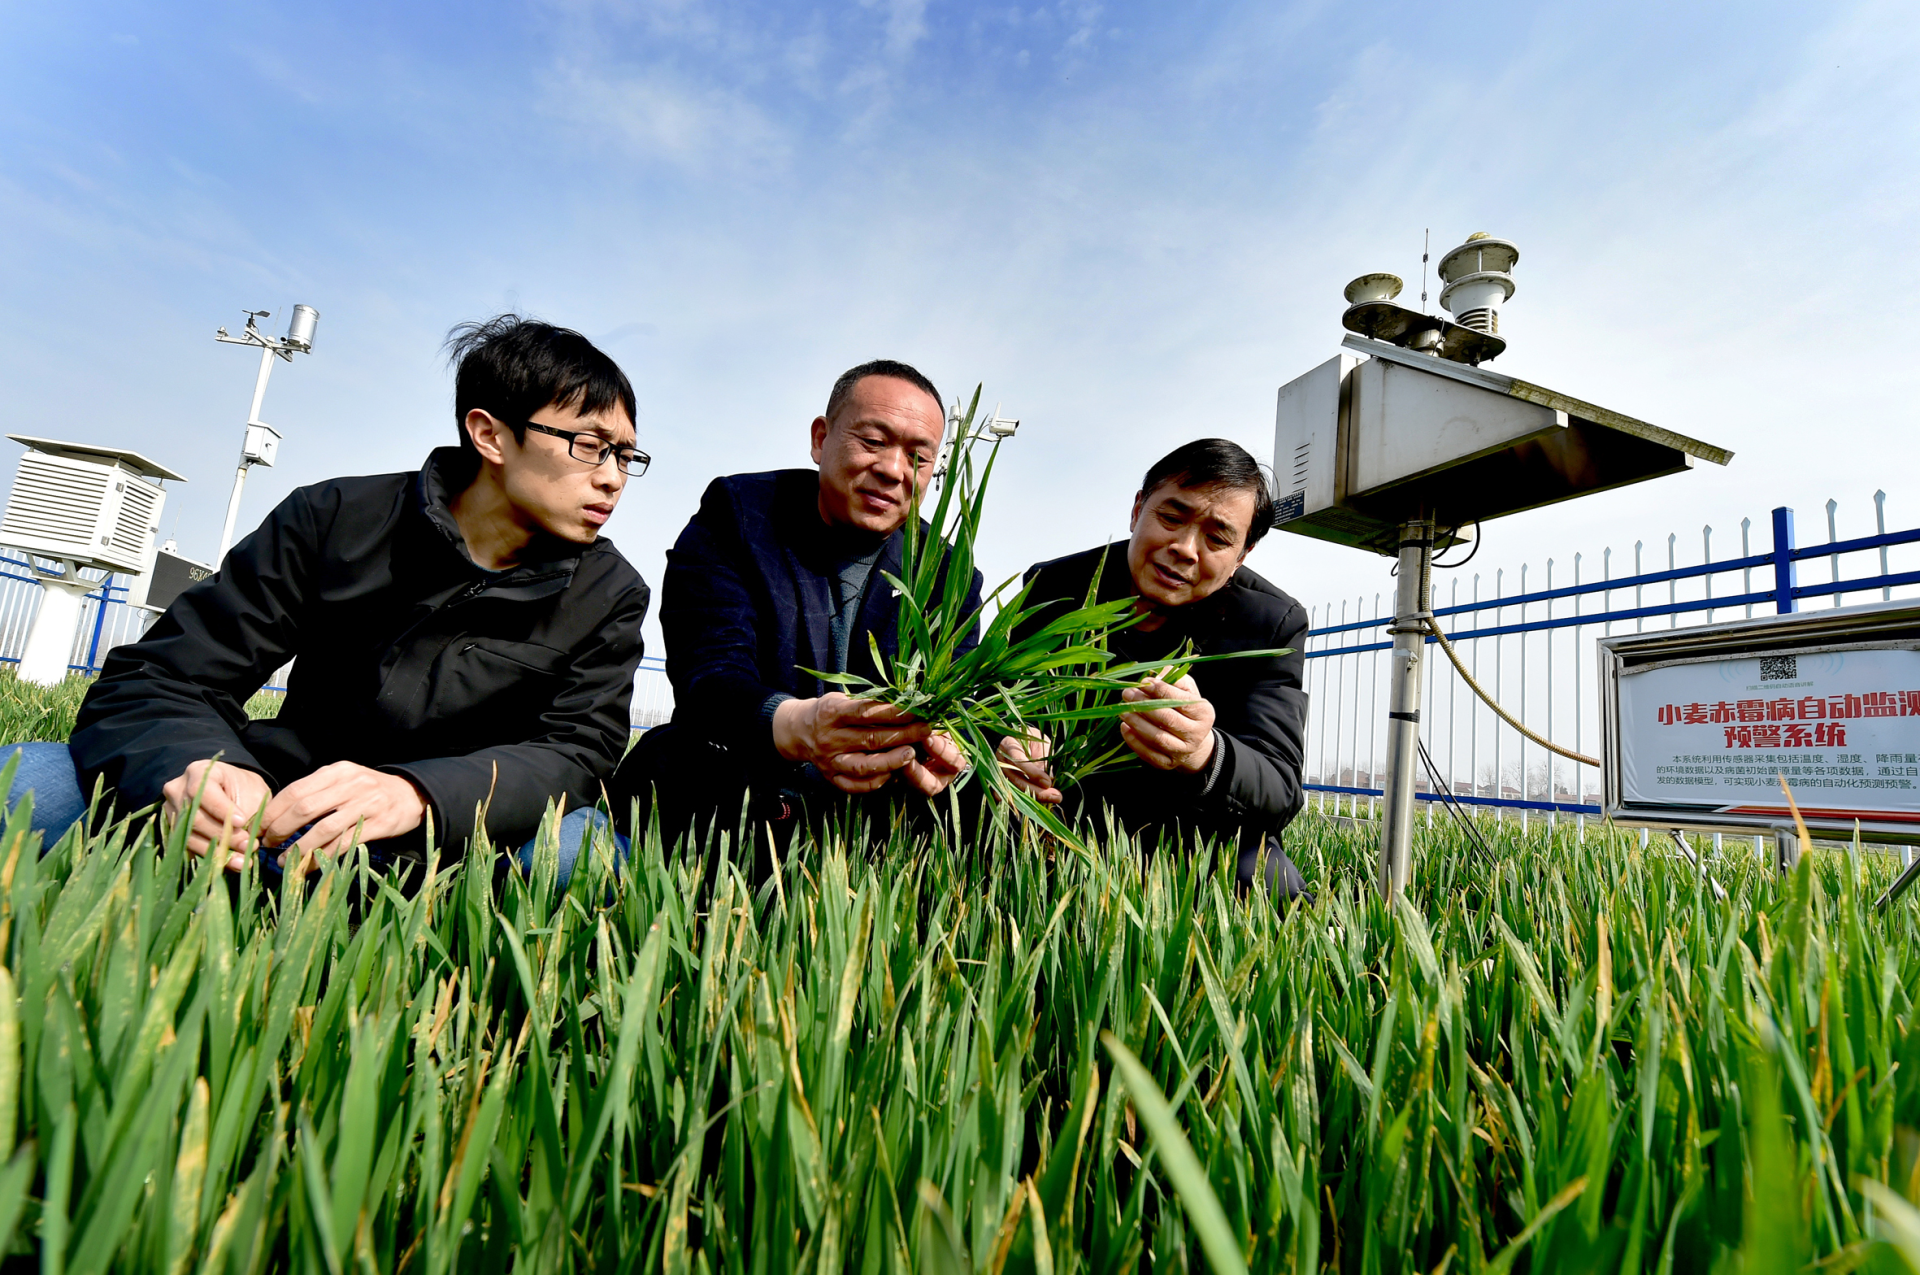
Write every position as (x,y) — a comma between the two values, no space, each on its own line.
(1426,248)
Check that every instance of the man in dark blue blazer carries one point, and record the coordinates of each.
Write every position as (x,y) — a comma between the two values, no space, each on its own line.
(780,572)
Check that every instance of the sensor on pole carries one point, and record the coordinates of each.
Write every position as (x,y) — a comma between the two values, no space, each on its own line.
(1479,279)
(996,427)
(260,444)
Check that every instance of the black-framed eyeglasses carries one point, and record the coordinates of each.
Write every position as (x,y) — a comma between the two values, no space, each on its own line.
(590,450)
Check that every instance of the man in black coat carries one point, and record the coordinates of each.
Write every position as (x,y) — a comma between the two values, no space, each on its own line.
(783,572)
(463,640)
(1226,766)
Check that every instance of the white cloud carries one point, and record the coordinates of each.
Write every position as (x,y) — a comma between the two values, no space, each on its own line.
(1083,21)
(655,113)
(906,24)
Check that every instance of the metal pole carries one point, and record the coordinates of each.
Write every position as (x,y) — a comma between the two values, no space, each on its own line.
(99,623)
(48,653)
(1523,699)
(1606,598)
(1579,696)
(1786,848)
(1353,752)
(1899,886)
(1706,557)
(1880,528)
(233,513)
(1687,853)
(1639,590)
(1373,717)
(1746,573)
(1673,586)
(1785,568)
(240,474)
(1473,705)
(1339,715)
(1832,536)
(1453,721)
(1499,691)
(1553,816)
(1320,761)
(1524,794)
(1433,671)
(260,385)
(1409,631)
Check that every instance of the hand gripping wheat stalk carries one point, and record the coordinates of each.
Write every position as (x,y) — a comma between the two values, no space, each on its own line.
(1058,680)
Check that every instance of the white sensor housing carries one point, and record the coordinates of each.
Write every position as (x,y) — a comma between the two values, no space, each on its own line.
(1478,281)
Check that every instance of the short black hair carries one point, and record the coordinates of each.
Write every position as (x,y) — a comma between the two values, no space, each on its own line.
(510,367)
(1216,462)
(877,367)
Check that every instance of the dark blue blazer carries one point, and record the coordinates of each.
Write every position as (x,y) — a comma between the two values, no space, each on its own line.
(747,600)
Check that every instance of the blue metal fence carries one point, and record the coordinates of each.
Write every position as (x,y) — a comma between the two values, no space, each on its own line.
(1346,681)
(106,620)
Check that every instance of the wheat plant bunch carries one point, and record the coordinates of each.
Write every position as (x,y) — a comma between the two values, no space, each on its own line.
(1059,681)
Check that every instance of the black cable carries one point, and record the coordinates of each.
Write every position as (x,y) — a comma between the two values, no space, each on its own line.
(1454,807)
(1448,799)
(1471,830)
(1450,566)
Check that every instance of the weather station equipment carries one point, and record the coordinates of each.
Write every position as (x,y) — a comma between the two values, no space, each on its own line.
(995,428)
(261,442)
(171,575)
(1403,441)
(83,507)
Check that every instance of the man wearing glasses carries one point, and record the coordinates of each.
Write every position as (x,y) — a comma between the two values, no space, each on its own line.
(783,572)
(463,639)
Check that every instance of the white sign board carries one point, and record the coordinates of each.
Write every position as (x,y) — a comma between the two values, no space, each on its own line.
(1700,724)
(1842,728)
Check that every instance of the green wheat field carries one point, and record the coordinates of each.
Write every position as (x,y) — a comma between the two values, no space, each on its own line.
(962,1053)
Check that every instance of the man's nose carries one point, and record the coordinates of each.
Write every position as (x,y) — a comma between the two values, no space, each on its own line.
(608,476)
(1187,545)
(892,464)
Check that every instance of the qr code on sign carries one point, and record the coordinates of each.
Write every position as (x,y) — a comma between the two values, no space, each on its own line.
(1779,668)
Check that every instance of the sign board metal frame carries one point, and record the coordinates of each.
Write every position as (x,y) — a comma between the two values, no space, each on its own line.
(1883,626)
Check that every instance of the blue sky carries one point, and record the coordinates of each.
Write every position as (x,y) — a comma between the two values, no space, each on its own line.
(1131,222)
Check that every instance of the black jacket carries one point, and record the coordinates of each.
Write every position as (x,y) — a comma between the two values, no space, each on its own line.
(747,602)
(506,688)
(1260,704)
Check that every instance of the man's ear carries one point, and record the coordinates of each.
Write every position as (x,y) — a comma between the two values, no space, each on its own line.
(818,433)
(1133,519)
(486,434)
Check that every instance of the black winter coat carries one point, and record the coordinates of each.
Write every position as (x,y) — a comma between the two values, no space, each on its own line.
(1260,704)
(507,688)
